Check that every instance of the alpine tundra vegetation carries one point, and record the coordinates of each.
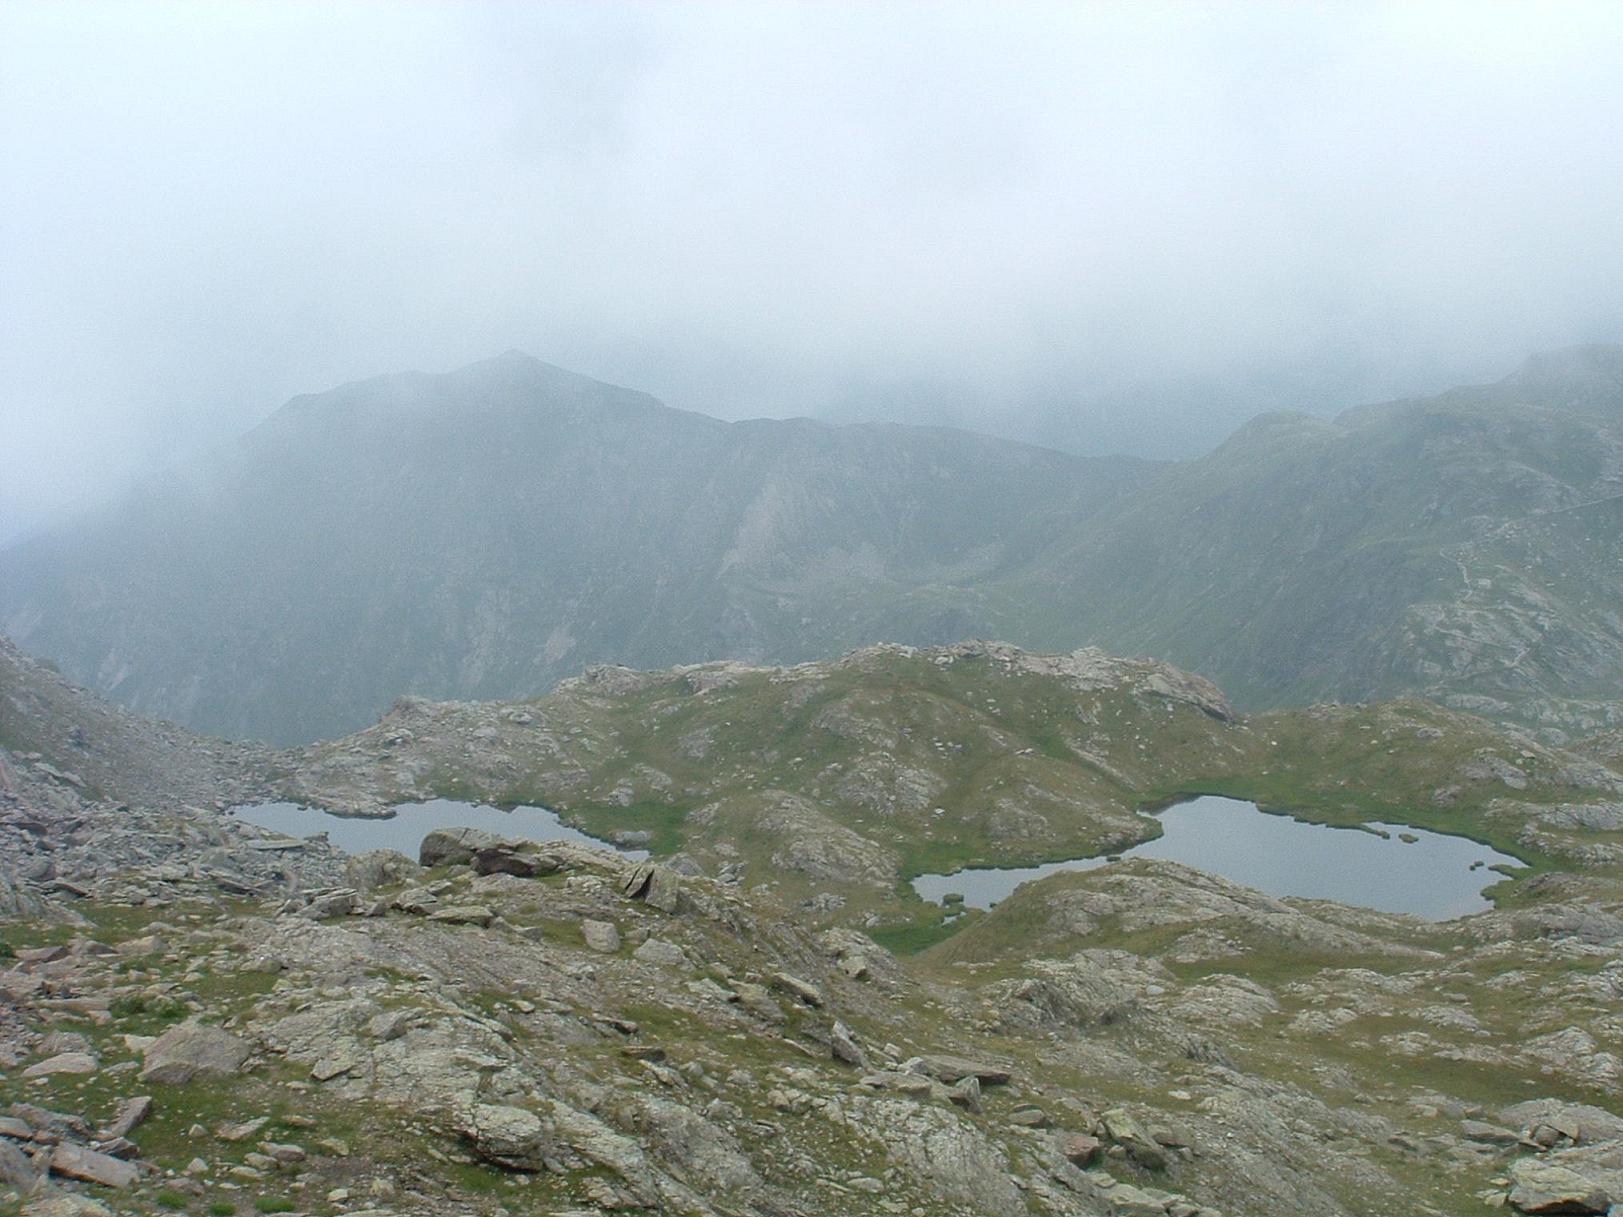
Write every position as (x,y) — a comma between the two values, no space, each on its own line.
(762,1017)
(805,609)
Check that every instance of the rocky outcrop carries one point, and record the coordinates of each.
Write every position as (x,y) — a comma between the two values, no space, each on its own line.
(1091,669)
(57,739)
(193,1050)
(558,1026)
(1548,1187)
(508,1136)
(454,846)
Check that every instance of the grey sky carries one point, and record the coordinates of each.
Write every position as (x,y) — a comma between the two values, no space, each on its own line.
(1114,226)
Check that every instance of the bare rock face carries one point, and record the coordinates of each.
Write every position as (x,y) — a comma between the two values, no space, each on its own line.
(962,1167)
(949,1069)
(454,846)
(1092,668)
(1576,1123)
(1545,1187)
(660,886)
(844,1047)
(77,1162)
(810,842)
(509,1136)
(1089,989)
(464,914)
(506,859)
(1140,1145)
(65,1204)
(337,903)
(378,867)
(132,1112)
(658,951)
(63,1062)
(16,901)
(17,1169)
(1088,668)
(801,990)
(602,936)
(193,1050)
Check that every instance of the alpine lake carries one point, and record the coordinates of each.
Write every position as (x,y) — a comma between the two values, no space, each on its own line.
(1381,866)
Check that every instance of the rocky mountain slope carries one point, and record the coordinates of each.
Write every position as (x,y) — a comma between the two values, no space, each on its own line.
(489,531)
(835,781)
(59,737)
(200,1017)
(486,532)
(1463,547)
(1606,748)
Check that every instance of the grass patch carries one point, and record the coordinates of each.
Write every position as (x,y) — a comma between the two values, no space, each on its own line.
(662,820)
(918,936)
(216,988)
(138,1013)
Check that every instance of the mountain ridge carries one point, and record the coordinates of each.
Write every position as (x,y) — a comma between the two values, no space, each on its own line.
(203,1012)
(333,544)
(486,531)
(1383,531)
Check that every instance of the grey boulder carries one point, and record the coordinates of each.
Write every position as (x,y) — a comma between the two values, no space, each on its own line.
(192,1050)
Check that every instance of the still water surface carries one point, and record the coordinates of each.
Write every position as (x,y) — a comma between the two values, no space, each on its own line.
(1436,876)
(1433,876)
(411,822)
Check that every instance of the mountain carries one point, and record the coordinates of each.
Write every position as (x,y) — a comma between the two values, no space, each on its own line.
(848,777)
(1464,547)
(64,742)
(487,532)
(201,1016)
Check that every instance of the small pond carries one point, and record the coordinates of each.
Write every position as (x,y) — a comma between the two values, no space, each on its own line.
(405,829)
(1434,875)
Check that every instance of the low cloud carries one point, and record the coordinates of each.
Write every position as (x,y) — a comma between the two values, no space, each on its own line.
(1106,226)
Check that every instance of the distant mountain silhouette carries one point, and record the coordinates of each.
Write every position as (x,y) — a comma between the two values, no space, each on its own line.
(485,532)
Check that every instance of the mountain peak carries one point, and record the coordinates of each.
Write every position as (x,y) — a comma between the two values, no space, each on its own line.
(1592,368)
(513,380)
(513,360)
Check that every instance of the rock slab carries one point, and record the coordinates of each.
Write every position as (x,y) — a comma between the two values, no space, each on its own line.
(192,1050)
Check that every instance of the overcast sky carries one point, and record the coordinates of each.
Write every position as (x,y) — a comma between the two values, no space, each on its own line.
(1117,226)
